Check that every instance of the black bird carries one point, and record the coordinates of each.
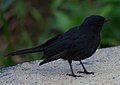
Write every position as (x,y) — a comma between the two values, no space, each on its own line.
(76,44)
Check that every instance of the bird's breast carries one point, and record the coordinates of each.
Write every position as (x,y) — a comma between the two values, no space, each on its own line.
(86,47)
(91,46)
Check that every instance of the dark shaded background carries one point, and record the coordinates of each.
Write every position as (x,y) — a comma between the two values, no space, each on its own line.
(27,23)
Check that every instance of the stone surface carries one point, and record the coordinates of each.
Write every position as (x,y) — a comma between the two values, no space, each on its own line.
(105,63)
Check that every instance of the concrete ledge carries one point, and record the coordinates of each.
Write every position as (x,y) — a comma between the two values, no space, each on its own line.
(105,63)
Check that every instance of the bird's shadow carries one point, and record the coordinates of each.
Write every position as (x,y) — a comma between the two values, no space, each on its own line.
(86,63)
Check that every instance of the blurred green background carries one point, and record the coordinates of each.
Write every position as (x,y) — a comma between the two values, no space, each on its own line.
(27,23)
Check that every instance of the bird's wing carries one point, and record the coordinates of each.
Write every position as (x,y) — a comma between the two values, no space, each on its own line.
(62,43)
(60,46)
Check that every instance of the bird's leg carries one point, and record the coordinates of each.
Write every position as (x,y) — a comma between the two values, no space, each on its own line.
(85,71)
(72,73)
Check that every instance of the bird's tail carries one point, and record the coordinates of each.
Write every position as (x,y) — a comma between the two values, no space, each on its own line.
(25,51)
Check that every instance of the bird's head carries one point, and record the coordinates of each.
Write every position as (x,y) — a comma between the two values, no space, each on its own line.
(94,22)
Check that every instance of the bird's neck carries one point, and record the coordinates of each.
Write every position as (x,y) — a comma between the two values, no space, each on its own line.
(90,29)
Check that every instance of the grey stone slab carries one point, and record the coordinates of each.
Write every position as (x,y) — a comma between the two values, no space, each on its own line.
(105,63)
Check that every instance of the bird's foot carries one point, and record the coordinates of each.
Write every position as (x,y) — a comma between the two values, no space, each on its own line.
(73,75)
(86,72)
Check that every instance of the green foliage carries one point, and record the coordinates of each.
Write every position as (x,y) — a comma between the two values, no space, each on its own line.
(4,6)
(37,22)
